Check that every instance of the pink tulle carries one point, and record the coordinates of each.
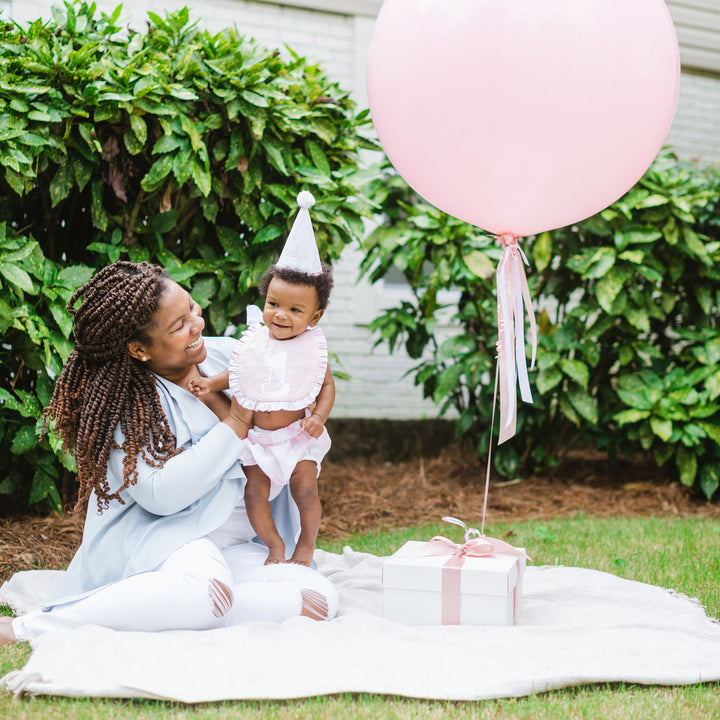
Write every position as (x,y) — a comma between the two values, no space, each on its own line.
(277,452)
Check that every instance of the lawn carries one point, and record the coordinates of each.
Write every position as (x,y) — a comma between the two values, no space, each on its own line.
(682,554)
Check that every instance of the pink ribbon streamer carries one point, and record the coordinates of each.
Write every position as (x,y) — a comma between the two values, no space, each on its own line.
(475,545)
(513,297)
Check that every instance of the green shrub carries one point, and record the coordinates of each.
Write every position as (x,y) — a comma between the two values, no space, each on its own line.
(175,146)
(35,327)
(627,306)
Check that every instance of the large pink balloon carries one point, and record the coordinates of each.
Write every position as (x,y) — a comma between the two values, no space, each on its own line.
(523,115)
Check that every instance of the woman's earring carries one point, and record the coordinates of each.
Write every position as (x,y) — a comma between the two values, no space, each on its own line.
(144,358)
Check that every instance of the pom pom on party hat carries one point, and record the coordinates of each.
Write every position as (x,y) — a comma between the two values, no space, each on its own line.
(300,251)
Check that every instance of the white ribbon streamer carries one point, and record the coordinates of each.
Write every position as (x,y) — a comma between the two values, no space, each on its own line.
(513,298)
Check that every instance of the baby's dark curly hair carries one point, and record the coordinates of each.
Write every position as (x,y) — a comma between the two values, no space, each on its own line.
(322,282)
(101,386)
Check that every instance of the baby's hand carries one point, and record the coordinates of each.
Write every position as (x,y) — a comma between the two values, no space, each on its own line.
(199,386)
(313,425)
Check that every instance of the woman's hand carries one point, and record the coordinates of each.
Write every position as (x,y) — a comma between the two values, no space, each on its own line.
(240,419)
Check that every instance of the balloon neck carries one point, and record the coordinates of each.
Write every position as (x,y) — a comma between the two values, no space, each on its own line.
(509,240)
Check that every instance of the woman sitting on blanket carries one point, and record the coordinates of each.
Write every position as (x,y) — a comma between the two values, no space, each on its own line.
(167,543)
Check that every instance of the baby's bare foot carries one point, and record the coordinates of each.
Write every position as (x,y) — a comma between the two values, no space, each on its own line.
(276,555)
(303,554)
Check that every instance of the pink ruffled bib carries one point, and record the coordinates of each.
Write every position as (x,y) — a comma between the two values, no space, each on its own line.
(268,375)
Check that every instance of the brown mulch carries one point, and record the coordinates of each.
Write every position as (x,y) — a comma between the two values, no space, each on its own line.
(30,543)
(365,494)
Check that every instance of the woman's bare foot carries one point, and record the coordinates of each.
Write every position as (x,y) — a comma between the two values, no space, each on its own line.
(6,632)
(303,554)
(314,605)
(276,554)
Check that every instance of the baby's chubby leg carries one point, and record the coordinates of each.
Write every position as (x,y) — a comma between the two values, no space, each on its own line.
(304,489)
(257,504)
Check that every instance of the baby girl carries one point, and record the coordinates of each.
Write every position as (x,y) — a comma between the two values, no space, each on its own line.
(279,370)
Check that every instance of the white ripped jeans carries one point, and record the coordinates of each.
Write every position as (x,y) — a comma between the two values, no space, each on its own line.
(199,587)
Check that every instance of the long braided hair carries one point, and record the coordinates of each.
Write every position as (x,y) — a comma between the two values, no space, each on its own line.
(101,385)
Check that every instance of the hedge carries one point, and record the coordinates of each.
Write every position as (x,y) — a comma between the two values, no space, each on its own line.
(172,145)
(627,305)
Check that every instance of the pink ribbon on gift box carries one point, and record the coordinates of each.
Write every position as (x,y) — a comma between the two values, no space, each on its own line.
(475,545)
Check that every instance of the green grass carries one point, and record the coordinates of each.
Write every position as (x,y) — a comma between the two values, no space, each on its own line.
(682,554)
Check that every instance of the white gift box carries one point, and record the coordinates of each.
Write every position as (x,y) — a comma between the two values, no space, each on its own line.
(490,588)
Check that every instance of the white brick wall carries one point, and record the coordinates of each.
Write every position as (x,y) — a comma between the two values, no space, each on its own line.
(369,8)
(695,132)
(377,388)
(697,23)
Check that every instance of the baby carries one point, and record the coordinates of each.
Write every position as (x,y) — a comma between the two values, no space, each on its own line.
(279,370)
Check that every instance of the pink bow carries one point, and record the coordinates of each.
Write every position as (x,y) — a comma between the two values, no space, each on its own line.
(475,545)
(482,547)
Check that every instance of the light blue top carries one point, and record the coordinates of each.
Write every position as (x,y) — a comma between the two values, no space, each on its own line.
(188,497)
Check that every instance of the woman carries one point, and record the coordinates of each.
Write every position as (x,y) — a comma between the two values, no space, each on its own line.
(167,543)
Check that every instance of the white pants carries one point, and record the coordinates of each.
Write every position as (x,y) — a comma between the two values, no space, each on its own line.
(198,587)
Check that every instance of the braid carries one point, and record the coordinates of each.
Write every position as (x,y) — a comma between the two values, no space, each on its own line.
(101,386)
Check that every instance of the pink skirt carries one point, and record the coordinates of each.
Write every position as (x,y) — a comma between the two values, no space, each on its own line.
(277,452)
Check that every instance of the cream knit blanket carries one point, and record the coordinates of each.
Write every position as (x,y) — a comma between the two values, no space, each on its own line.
(576,626)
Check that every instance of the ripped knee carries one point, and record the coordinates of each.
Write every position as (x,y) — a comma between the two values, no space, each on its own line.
(221,598)
(314,604)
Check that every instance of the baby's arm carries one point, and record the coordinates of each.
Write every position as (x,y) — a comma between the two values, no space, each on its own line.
(203,385)
(315,423)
